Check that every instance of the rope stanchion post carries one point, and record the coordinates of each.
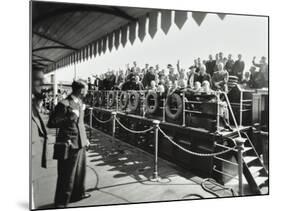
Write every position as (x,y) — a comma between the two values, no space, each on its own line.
(241,108)
(106,97)
(156,129)
(240,148)
(113,124)
(143,106)
(91,120)
(183,109)
(163,111)
(218,109)
(116,100)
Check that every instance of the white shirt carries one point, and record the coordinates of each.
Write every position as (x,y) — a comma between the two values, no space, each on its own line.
(77,100)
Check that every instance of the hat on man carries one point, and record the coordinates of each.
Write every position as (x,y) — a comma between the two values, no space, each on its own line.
(79,84)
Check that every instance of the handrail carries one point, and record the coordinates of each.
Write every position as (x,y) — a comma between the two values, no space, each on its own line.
(227,161)
(185,111)
(254,149)
(232,114)
(226,174)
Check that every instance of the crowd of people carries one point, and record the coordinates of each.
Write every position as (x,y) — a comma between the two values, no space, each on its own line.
(49,100)
(203,75)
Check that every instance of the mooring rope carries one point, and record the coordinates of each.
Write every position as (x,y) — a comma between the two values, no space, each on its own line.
(196,153)
(102,121)
(133,131)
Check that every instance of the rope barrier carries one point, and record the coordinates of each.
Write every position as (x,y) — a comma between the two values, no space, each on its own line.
(133,131)
(195,153)
(102,121)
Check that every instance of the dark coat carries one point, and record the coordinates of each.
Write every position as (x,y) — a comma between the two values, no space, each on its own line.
(38,140)
(148,77)
(205,77)
(237,69)
(70,126)
(210,66)
(228,66)
(71,171)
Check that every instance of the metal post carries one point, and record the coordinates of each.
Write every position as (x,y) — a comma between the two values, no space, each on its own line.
(156,129)
(218,108)
(106,97)
(232,114)
(75,72)
(241,107)
(183,109)
(164,107)
(91,120)
(116,100)
(55,87)
(113,124)
(240,147)
(143,106)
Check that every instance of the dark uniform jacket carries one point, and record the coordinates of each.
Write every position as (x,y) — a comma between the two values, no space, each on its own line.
(70,126)
(148,77)
(210,66)
(237,69)
(38,140)
(205,77)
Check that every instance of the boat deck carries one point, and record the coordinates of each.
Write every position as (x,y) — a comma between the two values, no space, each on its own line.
(118,173)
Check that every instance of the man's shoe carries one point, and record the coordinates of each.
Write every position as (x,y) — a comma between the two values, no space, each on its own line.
(85,195)
(60,206)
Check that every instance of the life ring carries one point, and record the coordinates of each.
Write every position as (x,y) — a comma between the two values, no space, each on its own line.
(123,100)
(101,98)
(174,99)
(134,100)
(111,98)
(151,108)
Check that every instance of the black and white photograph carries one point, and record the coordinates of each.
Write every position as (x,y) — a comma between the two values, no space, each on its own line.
(134,105)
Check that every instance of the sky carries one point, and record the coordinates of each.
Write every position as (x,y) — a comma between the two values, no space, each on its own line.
(235,34)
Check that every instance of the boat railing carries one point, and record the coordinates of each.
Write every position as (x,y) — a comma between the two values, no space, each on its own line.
(191,104)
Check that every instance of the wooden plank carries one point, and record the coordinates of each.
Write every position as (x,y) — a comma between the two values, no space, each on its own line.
(72,21)
(96,30)
(44,27)
(52,31)
(74,34)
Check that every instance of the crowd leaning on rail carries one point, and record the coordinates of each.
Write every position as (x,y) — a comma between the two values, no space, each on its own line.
(208,77)
(212,74)
(204,76)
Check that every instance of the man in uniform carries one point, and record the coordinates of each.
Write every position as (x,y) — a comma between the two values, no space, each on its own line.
(220,78)
(238,68)
(210,65)
(38,135)
(70,147)
(263,70)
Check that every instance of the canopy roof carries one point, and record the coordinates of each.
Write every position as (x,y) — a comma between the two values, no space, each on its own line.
(64,33)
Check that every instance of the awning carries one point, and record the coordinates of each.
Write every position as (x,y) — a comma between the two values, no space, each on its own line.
(64,33)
